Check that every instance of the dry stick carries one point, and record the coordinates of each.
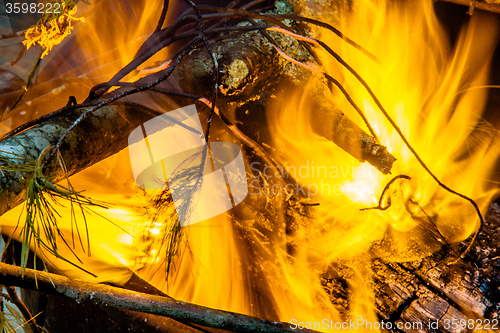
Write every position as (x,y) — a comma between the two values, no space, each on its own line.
(331,79)
(281,17)
(382,159)
(373,152)
(13,35)
(115,297)
(214,62)
(22,307)
(236,131)
(162,15)
(328,77)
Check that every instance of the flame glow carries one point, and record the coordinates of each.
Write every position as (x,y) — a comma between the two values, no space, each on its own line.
(248,260)
(425,88)
(425,85)
(52,31)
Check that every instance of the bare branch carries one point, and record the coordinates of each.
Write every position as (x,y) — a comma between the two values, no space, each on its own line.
(100,136)
(130,300)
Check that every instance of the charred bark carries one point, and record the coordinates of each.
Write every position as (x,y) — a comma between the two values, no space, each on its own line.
(430,295)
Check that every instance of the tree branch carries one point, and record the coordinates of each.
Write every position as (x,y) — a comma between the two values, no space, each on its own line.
(248,66)
(130,300)
(100,136)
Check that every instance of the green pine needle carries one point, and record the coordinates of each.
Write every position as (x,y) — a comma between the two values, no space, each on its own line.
(41,228)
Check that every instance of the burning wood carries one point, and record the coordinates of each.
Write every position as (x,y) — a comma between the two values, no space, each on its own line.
(330,122)
(286,250)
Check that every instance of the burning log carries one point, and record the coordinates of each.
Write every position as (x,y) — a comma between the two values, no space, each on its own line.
(248,66)
(330,122)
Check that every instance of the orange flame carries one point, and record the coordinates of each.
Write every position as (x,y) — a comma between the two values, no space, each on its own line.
(427,89)
(51,32)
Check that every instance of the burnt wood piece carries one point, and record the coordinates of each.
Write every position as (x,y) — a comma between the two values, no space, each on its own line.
(430,295)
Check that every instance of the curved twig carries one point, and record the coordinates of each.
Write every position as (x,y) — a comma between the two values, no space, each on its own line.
(386,188)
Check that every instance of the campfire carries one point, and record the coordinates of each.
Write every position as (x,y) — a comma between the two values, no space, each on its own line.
(252,166)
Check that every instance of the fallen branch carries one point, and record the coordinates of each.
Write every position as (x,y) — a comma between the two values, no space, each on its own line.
(249,67)
(130,300)
(100,136)
(330,122)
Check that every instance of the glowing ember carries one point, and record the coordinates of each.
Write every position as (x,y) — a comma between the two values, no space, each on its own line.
(51,31)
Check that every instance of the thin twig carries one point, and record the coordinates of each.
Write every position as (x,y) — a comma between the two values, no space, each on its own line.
(386,188)
(327,76)
(215,74)
(126,93)
(14,298)
(276,18)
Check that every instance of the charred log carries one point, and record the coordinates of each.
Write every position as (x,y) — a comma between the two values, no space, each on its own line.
(430,295)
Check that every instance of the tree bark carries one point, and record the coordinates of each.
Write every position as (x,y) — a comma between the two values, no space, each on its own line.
(82,292)
(97,137)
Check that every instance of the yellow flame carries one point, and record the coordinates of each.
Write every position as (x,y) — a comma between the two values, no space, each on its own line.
(51,32)
(229,263)
(424,84)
